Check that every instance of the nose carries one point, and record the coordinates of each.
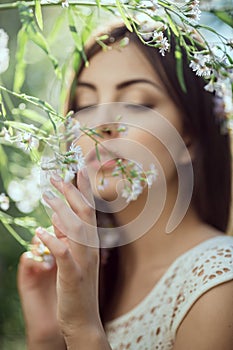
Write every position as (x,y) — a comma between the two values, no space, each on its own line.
(107,124)
(107,131)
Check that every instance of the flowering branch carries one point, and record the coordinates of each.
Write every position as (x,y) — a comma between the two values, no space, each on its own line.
(153,21)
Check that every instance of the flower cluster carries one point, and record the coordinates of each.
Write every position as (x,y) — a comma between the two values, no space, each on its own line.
(4,51)
(65,164)
(136,178)
(212,62)
(192,9)
(26,193)
(161,42)
(201,65)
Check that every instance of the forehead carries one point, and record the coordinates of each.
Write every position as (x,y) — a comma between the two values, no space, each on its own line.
(118,64)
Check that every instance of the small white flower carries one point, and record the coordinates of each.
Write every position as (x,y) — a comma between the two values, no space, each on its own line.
(69,175)
(27,141)
(193,10)
(151,175)
(65,4)
(199,65)
(123,129)
(155,3)
(3,39)
(5,134)
(161,41)
(131,193)
(76,157)
(4,51)
(210,86)
(73,128)
(164,46)
(4,59)
(4,202)
(27,192)
(103,184)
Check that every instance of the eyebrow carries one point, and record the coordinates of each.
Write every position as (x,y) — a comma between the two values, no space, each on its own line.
(122,85)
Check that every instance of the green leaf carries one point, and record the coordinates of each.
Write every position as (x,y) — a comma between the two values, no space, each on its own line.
(20,67)
(172,25)
(229,58)
(123,15)
(179,68)
(74,32)
(2,107)
(57,25)
(33,117)
(76,35)
(38,14)
(3,158)
(97,152)
(35,35)
(226,17)
(22,126)
(4,167)
(36,102)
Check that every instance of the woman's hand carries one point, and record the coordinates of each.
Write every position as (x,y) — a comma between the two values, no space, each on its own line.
(37,289)
(77,260)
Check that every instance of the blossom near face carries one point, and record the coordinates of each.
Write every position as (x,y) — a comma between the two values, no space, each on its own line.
(124,75)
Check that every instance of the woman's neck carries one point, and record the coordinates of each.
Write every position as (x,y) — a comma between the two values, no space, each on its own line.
(146,235)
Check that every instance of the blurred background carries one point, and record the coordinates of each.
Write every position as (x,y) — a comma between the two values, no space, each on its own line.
(18,174)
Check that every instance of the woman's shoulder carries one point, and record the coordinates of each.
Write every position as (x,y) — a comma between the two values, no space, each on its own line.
(205,266)
(214,254)
(207,291)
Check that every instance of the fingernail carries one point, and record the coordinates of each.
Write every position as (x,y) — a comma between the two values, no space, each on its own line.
(56,177)
(48,262)
(40,231)
(49,194)
(29,255)
(84,172)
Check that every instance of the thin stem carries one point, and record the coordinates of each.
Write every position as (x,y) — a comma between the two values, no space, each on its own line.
(15,235)
(24,97)
(14,5)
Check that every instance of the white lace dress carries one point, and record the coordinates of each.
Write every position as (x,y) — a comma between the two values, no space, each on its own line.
(153,323)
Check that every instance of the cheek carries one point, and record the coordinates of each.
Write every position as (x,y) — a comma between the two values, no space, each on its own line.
(163,153)
(86,143)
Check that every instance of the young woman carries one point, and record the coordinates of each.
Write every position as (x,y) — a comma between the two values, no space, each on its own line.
(155,290)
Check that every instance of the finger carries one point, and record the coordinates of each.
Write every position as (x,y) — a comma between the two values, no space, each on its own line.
(68,267)
(75,198)
(70,224)
(58,228)
(60,235)
(30,263)
(84,185)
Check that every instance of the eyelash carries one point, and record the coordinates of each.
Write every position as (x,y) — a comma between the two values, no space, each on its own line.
(132,106)
(78,108)
(139,107)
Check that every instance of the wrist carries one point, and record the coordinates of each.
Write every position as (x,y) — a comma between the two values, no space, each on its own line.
(92,338)
(46,341)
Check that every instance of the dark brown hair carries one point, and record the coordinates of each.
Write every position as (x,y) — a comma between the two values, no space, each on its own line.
(212,161)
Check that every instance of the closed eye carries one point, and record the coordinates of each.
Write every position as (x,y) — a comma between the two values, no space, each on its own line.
(80,108)
(139,107)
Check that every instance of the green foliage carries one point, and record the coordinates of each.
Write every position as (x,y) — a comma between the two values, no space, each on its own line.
(50,46)
(225,16)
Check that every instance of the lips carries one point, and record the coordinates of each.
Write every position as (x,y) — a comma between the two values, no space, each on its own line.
(108,158)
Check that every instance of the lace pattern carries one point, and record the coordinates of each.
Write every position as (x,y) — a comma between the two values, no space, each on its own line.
(153,323)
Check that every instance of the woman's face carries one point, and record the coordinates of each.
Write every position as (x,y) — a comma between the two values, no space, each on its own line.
(150,116)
